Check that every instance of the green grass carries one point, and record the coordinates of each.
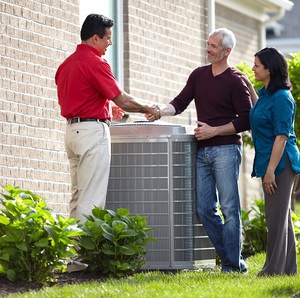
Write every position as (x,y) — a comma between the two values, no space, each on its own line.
(182,284)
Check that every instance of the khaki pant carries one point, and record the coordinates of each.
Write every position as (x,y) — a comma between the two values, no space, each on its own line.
(88,149)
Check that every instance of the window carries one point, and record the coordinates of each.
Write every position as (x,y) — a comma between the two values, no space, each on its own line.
(112,9)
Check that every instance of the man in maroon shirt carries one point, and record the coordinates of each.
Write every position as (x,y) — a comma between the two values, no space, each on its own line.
(86,87)
(223,103)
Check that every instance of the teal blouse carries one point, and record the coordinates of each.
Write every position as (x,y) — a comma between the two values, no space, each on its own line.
(270,116)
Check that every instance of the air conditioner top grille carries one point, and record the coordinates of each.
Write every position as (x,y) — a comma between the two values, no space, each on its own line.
(139,128)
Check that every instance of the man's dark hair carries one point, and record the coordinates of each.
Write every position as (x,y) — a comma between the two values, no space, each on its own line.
(95,24)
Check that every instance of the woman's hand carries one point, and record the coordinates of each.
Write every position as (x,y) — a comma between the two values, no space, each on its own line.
(248,83)
(277,152)
(269,183)
(243,77)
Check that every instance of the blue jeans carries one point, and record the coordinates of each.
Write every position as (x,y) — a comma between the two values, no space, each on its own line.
(217,181)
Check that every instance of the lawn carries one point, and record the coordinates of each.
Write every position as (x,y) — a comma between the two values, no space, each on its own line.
(182,284)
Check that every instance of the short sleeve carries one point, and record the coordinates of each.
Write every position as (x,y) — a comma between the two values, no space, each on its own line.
(104,80)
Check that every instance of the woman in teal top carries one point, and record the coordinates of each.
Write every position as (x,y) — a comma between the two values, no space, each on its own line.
(277,158)
(271,116)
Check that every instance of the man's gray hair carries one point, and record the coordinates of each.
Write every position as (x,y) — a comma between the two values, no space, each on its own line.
(228,41)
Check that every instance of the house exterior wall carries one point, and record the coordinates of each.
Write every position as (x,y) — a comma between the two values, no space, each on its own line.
(247,44)
(163,42)
(246,31)
(35,38)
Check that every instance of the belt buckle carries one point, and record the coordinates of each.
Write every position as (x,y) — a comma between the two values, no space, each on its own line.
(73,120)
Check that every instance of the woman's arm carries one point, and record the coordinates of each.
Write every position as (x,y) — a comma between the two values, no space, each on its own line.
(277,152)
(252,91)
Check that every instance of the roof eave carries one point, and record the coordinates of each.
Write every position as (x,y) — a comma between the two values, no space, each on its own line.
(258,9)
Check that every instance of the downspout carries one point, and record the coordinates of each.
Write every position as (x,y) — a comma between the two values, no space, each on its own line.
(211,16)
(263,25)
(118,67)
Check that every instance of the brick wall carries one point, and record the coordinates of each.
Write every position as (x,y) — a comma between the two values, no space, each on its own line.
(163,42)
(35,37)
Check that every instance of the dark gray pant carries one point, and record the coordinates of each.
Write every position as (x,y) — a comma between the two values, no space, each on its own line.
(281,257)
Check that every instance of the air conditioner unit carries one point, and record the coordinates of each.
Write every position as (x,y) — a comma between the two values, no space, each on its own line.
(153,174)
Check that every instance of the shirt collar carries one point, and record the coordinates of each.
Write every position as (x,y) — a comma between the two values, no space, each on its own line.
(263,92)
(85,47)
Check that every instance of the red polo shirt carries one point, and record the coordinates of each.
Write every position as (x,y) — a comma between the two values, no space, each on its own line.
(85,85)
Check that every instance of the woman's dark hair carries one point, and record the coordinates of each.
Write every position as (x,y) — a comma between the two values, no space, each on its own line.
(275,62)
(95,24)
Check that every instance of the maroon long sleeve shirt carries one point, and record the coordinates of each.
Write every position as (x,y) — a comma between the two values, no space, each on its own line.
(219,100)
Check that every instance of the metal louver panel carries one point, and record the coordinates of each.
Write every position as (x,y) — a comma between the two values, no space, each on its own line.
(154,175)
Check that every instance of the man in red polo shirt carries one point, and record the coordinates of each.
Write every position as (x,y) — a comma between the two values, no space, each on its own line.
(85,87)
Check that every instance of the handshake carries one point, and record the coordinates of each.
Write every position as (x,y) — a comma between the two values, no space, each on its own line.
(154,113)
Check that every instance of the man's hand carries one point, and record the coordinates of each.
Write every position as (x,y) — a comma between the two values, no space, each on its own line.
(154,113)
(117,113)
(204,131)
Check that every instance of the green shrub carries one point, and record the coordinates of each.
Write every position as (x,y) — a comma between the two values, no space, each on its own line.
(294,73)
(114,243)
(254,228)
(296,224)
(33,242)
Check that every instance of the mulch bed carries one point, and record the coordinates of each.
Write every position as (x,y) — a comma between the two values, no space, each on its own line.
(9,287)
